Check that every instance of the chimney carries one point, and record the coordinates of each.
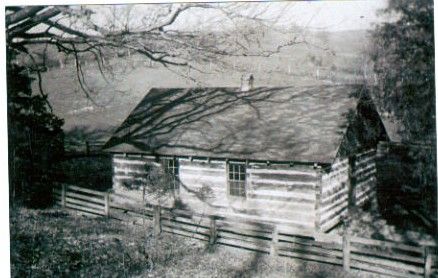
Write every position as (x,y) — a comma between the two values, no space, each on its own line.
(246,82)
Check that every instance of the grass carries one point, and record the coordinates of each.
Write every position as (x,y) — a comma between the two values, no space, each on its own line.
(52,242)
(369,222)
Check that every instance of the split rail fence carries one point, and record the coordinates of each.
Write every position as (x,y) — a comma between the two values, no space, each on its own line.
(377,256)
(75,148)
(82,199)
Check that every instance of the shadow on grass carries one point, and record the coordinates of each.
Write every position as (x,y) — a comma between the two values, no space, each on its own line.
(405,200)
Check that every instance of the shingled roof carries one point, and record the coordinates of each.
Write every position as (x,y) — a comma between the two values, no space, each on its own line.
(302,124)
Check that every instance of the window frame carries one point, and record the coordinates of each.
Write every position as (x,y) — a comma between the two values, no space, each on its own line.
(237,180)
(171,167)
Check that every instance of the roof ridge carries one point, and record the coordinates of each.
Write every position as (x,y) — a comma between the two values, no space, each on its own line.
(265,86)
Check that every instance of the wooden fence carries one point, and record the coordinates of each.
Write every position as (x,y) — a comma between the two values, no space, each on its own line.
(82,199)
(377,256)
(72,148)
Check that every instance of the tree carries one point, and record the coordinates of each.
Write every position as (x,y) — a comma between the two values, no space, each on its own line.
(404,62)
(35,140)
(154,31)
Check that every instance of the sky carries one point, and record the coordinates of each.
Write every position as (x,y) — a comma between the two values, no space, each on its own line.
(338,15)
(320,15)
(323,15)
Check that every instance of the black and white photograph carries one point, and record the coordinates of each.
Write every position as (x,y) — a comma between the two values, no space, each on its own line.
(219,139)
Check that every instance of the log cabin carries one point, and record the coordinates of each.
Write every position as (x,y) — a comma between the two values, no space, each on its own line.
(297,156)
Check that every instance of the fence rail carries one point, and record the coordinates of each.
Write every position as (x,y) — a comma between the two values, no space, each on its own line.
(83,147)
(378,256)
(82,199)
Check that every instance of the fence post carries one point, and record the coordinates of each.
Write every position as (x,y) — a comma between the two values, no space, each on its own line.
(346,249)
(274,242)
(87,147)
(352,183)
(107,203)
(427,262)
(157,220)
(318,198)
(213,231)
(63,195)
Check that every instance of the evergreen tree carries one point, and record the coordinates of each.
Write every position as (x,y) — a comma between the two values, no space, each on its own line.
(35,139)
(404,63)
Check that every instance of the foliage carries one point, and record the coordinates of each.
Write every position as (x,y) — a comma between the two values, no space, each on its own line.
(35,138)
(158,181)
(404,62)
(400,190)
(204,193)
(94,172)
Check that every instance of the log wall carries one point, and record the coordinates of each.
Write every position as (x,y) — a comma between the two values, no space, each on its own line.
(358,175)
(334,194)
(365,176)
(129,177)
(284,192)
(129,171)
(275,193)
(300,196)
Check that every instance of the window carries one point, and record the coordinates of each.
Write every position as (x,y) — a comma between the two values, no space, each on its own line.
(171,167)
(237,179)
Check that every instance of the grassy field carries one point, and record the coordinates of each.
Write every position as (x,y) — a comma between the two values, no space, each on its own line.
(51,242)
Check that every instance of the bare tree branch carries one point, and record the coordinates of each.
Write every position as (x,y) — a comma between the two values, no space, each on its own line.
(38,72)
(156,35)
(30,22)
(22,13)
